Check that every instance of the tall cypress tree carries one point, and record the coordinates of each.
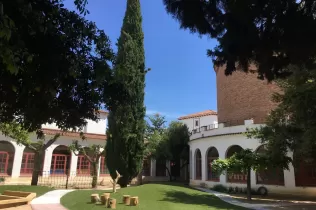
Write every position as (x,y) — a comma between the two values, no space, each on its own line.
(125,143)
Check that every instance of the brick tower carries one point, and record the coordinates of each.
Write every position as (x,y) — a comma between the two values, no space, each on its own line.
(242,96)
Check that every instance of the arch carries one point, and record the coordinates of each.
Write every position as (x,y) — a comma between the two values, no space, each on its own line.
(61,160)
(83,164)
(232,150)
(198,165)
(27,164)
(304,171)
(269,176)
(7,151)
(161,167)
(104,171)
(235,177)
(211,155)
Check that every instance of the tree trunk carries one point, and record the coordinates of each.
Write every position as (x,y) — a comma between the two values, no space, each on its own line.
(170,176)
(248,184)
(95,165)
(37,167)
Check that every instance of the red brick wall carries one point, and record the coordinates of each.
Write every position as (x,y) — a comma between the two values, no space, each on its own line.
(242,96)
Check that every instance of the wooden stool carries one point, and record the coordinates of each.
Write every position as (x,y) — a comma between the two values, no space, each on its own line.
(95,198)
(126,199)
(105,199)
(134,201)
(112,203)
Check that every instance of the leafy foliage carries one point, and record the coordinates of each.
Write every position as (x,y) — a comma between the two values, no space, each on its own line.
(22,136)
(292,125)
(125,143)
(54,65)
(245,161)
(264,33)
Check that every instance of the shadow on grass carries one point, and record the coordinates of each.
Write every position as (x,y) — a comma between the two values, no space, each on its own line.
(197,199)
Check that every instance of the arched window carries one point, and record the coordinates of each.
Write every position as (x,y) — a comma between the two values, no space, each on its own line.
(235,177)
(27,164)
(6,158)
(198,165)
(83,164)
(305,171)
(212,155)
(60,160)
(269,176)
(103,168)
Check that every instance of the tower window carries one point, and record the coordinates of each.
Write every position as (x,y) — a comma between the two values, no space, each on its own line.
(196,123)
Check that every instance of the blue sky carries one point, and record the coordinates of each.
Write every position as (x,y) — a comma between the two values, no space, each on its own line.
(182,79)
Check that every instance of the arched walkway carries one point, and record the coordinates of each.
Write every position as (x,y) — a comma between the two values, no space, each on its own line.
(305,172)
(146,167)
(161,167)
(6,158)
(212,155)
(103,168)
(27,164)
(60,160)
(83,164)
(235,177)
(269,176)
(198,165)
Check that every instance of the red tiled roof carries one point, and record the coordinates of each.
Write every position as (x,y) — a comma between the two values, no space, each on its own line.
(73,134)
(198,114)
(102,111)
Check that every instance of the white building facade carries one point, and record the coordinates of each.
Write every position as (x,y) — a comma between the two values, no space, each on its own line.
(243,102)
(17,161)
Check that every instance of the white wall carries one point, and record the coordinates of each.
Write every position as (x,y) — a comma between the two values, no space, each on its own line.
(97,127)
(202,121)
(222,143)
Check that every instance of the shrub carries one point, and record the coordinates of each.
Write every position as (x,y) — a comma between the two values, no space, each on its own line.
(2,179)
(219,188)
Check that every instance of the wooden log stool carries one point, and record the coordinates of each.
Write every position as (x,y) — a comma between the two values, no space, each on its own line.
(95,198)
(134,201)
(126,199)
(105,199)
(112,203)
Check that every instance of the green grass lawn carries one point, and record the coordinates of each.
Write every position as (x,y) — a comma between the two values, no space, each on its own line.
(151,197)
(39,190)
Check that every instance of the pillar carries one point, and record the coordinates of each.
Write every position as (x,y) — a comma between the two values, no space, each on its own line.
(203,163)
(168,166)
(73,165)
(153,167)
(17,161)
(222,155)
(289,175)
(47,161)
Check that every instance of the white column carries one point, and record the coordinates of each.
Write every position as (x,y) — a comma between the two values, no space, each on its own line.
(153,167)
(253,178)
(168,166)
(99,167)
(18,155)
(221,155)
(73,164)
(47,161)
(203,162)
(190,165)
(289,177)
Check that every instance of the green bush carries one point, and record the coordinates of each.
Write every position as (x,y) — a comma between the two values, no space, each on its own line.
(219,188)
(2,179)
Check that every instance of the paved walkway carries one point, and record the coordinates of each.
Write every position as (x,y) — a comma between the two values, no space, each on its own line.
(228,199)
(49,201)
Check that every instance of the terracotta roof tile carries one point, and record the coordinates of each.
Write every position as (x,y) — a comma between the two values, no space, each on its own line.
(198,114)
(74,134)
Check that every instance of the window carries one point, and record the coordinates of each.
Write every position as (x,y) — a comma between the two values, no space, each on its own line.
(196,123)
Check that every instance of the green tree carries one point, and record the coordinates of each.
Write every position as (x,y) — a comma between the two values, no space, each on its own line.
(243,162)
(261,32)
(92,154)
(291,126)
(172,145)
(64,84)
(22,136)
(125,143)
